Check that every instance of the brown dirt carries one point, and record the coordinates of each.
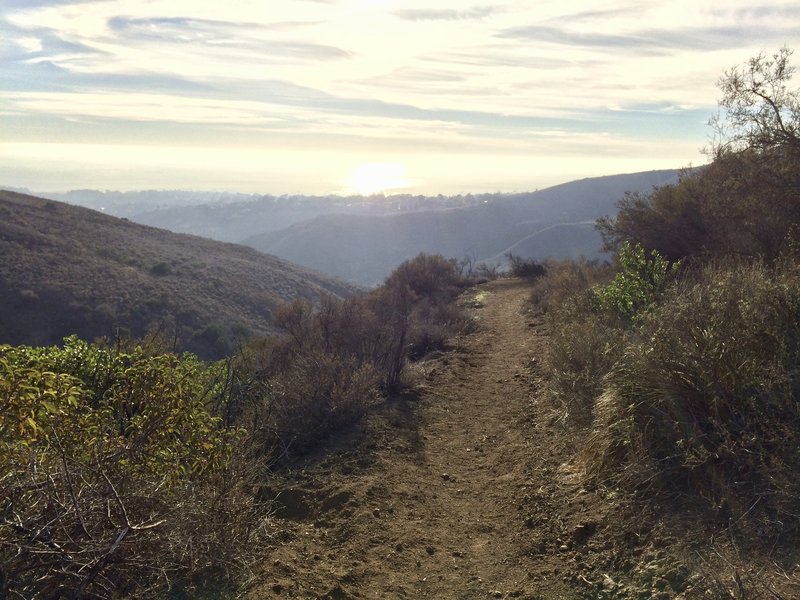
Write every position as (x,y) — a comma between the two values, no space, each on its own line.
(469,489)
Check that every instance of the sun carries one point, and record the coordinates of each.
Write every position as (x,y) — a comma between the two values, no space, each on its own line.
(377,178)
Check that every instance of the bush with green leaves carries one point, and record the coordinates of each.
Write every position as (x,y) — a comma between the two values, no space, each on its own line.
(639,283)
(115,478)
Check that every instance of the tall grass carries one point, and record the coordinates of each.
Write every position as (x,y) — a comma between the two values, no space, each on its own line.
(584,344)
(705,397)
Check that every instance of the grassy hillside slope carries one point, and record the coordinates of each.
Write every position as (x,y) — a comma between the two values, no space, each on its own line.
(66,269)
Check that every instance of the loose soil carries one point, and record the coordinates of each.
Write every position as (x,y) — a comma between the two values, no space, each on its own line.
(470,488)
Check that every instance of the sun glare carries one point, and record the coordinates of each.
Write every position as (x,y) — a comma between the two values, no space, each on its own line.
(376,178)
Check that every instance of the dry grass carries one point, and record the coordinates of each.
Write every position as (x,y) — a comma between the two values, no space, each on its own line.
(68,270)
(584,345)
(704,400)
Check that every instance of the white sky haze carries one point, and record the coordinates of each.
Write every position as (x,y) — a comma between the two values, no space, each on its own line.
(321,96)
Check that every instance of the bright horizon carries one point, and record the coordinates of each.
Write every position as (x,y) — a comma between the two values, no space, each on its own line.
(364,96)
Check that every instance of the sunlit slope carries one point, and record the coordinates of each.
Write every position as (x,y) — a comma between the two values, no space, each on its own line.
(66,269)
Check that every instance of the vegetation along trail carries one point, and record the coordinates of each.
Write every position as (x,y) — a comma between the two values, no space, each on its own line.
(443,495)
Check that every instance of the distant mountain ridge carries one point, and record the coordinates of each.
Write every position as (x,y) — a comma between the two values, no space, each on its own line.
(361,239)
(66,269)
(232,217)
(557,222)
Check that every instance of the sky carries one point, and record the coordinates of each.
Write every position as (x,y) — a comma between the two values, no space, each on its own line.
(364,96)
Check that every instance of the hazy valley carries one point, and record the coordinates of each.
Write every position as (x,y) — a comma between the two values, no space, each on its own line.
(362,239)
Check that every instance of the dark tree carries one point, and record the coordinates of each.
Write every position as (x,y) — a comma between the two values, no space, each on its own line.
(758,110)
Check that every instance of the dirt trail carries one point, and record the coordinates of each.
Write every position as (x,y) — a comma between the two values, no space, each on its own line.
(455,493)
(467,490)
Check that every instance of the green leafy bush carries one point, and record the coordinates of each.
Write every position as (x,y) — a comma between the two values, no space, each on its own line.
(639,283)
(116,479)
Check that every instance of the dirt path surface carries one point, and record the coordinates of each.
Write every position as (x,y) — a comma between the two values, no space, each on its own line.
(461,491)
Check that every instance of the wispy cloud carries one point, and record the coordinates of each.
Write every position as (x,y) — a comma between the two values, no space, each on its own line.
(651,41)
(583,16)
(222,34)
(368,78)
(765,11)
(445,14)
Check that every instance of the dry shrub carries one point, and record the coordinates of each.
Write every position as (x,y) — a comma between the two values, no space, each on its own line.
(708,395)
(485,272)
(318,394)
(527,268)
(327,370)
(584,344)
(433,325)
(566,280)
(418,299)
(583,349)
(429,276)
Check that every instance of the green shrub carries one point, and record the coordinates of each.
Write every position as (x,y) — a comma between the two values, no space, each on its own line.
(639,283)
(116,479)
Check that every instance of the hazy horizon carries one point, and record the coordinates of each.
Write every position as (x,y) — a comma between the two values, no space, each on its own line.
(320,97)
(344,194)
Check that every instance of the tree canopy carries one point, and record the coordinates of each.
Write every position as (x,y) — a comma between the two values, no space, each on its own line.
(759,109)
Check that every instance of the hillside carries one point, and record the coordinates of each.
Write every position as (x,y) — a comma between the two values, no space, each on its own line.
(555,222)
(70,270)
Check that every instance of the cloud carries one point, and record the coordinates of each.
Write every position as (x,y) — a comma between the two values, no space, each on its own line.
(221,34)
(430,14)
(349,76)
(596,15)
(649,41)
(493,56)
(765,11)
(25,43)
(29,4)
